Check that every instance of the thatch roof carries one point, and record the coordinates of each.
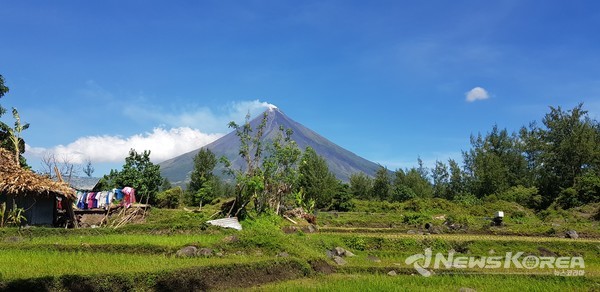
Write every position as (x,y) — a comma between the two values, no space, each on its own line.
(20,182)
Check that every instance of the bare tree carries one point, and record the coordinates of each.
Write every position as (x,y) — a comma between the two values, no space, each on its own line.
(65,167)
(88,169)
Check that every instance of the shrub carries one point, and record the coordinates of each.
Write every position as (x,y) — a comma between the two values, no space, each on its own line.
(170,198)
(466,199)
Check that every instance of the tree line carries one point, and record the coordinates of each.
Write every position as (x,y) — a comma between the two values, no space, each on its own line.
(555,163)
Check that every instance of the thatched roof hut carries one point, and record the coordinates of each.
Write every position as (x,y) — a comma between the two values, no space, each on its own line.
(36,193)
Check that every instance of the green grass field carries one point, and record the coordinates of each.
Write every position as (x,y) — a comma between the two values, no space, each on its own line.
(143,256)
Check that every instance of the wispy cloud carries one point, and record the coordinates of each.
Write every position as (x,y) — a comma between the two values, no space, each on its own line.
(164,144)
(477,93)
(202,118)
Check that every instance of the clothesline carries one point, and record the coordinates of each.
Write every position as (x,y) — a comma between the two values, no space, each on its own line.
(104,199)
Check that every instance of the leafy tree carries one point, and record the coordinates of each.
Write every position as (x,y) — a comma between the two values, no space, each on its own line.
(166,185)
(342,199)
(360,185)
(569,148)
(441,179)
(495,163)
(250,182)
(10,138)
(170,198)
(139,173)
(317,181)
(3,90)
(280,169)
(200,188)
(410,184)
(456,184)
(381,184)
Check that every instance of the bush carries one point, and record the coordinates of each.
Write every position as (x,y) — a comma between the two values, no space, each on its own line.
(466,199)
(527,197)
(170,198)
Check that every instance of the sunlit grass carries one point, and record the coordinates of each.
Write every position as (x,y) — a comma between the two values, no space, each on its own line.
(362,282)
(36,263)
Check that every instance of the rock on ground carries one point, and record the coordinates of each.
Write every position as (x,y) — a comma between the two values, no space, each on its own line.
(204,252)
(188,251)
(340,261)
(572,234)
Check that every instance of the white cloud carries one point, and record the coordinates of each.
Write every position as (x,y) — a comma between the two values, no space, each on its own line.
(202,118)
(164,144)
(477,93)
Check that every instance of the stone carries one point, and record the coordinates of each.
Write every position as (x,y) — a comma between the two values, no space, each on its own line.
(572,234)
(349,254)
(466,289)
(340,261)
(411,232)
(330,254)
(219,254)
(188,251)
(491,252)
(392,273)
(283,254)
(230,239)
(339,251)
(204,252)
(311,229)
(373,259)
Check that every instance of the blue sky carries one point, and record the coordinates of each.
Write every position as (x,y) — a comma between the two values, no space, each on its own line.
(388,80)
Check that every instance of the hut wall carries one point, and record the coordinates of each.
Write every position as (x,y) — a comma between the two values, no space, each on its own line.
(39,210)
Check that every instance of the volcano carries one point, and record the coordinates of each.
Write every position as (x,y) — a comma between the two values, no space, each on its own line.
(342,163)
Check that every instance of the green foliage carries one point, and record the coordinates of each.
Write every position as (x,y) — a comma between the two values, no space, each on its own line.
(10,138)
(356,242)
(466,199)
(528,197)
(402,193)
(11,217)
(317,181)
(263,232)
(495,162)
(166,184)
(441,179)
(360,185)
(381,185)
(268,184)
(342,200)
(170,198)
(411,184)
(280,169)
(302,202)
(139,173)
(200,187)
(415,218)
(569,145)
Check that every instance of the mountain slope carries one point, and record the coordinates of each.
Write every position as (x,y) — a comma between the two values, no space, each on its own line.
(341,162)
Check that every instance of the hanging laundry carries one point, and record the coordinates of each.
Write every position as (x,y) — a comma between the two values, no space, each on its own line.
(119,194)
(90,200)
(129,196)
